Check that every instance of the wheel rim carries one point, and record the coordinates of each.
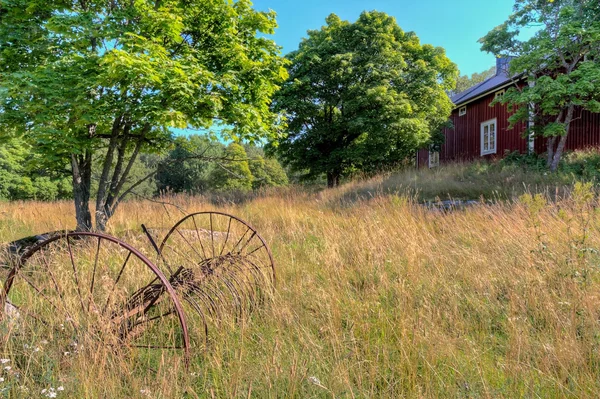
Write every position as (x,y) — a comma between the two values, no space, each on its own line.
(93,288)
(230,264)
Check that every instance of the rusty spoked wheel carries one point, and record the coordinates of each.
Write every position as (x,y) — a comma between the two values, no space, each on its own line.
(87,290)
(219,264)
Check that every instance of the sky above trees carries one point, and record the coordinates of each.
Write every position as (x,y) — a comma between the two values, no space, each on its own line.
(454,25)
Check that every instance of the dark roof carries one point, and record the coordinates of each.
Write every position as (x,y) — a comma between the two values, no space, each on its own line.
(482,88)
(500,79)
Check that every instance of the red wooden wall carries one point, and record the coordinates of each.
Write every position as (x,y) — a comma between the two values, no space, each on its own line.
(463,141)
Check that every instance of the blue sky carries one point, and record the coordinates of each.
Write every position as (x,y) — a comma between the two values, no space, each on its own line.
(454,25)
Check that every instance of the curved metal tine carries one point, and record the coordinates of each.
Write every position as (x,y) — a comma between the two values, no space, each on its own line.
(193,288)
(264,278)
(198,310)
(234,295)
(213,293)
(198,235)
(247,292)
(250,287)
(75,272)
(227,236)
(237,298)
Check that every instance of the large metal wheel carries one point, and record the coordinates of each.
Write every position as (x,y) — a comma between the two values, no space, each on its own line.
(219,264)
(91,290)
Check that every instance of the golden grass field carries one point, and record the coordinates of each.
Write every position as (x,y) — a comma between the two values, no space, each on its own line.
(376,296)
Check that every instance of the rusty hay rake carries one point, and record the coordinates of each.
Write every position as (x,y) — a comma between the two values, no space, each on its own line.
(78,287)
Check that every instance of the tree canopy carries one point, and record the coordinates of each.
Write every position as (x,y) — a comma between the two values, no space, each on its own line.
(561,62)
(465,82)
(361,96)
(79,78)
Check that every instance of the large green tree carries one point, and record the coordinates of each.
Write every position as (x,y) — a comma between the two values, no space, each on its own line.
(78,77)
(361,96)
(561,62)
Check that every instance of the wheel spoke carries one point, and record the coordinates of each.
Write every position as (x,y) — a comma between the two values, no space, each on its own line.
(75,272)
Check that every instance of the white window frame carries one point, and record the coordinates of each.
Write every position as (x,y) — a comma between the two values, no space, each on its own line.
(488,124)
(499,94)
(434,159)
(462,111)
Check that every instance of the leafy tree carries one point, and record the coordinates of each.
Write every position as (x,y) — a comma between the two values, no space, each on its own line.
(233,173)
(561,63)
(465,82)
(266,170)
(88,77)
(188,166)
(18,182)
(361,96)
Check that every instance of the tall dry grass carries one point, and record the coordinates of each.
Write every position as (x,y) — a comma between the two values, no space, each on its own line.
(376,296)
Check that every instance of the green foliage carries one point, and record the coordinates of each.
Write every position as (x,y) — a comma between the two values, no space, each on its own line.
(233,173)
(266,170)
(187,167)
(361,96)
(82,77)
(18,182)
(581,165)
(561,62)
(465,82)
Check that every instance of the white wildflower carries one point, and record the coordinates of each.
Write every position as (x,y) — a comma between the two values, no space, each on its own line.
(1,379)
(60,388)
(49,393)
(4,361)
(145,392)
(7,368)
(314,380)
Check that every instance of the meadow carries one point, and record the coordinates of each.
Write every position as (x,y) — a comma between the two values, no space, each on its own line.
(376,295)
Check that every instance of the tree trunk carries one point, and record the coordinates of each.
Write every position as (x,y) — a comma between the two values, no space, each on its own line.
(563,139)
(333,179)
(550,151)
(106,207)
(81,168)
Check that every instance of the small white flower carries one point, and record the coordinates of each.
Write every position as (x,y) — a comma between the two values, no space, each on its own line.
(314,380)
(145,392)
(4,361)
(66,353)
(37,349)
(7,368)
(1,379)
(60,388)
(51,394)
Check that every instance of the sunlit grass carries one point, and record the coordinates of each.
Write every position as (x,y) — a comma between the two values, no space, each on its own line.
(377,296)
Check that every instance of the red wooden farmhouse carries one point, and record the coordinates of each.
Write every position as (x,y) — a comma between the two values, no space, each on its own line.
(480,131)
